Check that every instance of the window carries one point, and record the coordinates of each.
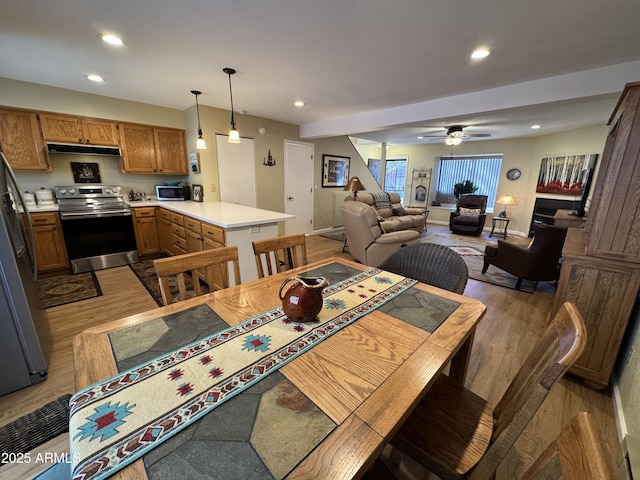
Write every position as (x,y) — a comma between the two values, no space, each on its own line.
(395,174)
(482,170)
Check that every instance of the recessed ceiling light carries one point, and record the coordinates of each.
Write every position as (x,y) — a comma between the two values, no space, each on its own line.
(95,78)
(535,126)
(299,103)
(481,53)
(420,137)
(112,40)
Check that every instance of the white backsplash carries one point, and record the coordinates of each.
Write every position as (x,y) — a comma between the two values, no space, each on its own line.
(109,175)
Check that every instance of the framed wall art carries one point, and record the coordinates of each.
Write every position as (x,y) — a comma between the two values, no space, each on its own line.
(335,171)
(197,193)
(85,172)
(194,162)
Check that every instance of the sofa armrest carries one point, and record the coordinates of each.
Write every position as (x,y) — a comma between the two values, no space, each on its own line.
(415,210)
(397,237)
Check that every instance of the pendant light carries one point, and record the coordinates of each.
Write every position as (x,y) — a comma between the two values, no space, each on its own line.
(200,144)
(234,136)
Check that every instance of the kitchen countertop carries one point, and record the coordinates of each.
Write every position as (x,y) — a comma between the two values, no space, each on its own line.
(225,215)
(52,207)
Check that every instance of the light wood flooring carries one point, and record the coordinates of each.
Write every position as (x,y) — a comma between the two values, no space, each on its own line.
(513,323)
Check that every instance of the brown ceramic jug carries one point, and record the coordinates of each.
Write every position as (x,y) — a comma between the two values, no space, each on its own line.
(302,302)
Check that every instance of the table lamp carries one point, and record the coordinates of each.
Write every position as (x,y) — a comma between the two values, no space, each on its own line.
(505,200)
(354,186)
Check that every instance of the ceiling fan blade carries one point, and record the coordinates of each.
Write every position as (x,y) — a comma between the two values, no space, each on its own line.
(477,134)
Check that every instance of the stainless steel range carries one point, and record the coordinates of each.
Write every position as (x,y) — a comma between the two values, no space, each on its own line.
(97,226)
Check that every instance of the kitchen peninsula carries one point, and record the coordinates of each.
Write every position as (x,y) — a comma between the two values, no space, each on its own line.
(198,225)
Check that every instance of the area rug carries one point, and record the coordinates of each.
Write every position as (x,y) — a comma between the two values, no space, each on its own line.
(55,291)
(472,253)
(146,272)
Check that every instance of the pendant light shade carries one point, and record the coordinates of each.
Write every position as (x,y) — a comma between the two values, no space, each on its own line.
(234,136)
(200,143)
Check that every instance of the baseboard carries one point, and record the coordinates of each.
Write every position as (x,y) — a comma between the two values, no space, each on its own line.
(629,446)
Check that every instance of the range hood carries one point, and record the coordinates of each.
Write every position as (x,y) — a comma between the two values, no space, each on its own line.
(81,149)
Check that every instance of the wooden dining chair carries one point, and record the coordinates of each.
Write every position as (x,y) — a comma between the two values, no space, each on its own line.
(456,434)
(280,254)
(576,454)
(211,264)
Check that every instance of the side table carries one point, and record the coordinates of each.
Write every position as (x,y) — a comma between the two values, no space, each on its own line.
(503,223)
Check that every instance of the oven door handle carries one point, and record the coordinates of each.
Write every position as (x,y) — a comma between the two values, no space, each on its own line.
(78,215)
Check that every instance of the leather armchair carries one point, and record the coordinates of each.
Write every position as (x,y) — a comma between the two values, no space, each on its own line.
(538,261)
(365,239)
(462,222)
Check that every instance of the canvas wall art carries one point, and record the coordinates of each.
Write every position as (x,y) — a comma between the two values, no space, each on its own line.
(565,175)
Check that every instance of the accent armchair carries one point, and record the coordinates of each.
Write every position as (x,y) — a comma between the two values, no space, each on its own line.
(538,261)
(470,214)
(365,239)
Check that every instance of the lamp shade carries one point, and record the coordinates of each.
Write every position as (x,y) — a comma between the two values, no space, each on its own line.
(354,185)
(234,136)
(506,200)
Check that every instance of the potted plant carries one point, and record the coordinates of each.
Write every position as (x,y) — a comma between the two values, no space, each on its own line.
(466,187)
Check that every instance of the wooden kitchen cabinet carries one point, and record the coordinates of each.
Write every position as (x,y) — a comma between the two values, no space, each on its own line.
(171,151)
(214,236)
(166,236)
(138,148)
(73,129)
(21,140)
(146,229)
(193,231)
(51,252)
(147,149)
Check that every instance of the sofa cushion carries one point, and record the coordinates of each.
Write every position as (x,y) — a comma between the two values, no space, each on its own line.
(471,220)
(398,210)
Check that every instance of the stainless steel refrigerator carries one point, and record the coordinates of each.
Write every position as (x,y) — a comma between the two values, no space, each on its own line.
(25,338)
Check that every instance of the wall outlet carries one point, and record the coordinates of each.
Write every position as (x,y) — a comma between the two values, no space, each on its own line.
(254,230)
(213,187)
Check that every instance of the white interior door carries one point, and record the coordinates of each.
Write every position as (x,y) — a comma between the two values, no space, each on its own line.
(298,186)
(236,168)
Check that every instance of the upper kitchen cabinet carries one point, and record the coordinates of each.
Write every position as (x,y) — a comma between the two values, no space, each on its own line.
(21,140)
(71,129)
(171,149)
(147,149)
(138,146)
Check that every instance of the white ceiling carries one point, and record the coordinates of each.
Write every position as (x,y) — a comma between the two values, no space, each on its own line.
(377,69)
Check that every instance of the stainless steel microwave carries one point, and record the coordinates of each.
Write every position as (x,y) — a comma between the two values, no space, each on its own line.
(170,192)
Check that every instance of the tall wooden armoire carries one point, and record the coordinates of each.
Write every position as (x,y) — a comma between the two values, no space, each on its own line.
(601,267)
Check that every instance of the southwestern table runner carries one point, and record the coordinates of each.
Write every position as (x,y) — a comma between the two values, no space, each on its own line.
(117,420)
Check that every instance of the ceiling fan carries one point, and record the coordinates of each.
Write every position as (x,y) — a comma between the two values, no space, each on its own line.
(455,134)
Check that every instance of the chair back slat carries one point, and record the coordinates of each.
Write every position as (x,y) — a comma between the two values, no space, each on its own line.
(562,343)
(214,262)
(280,254)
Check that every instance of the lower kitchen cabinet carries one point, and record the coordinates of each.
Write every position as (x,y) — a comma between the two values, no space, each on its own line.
(166,235)
(51,252)
(146,228)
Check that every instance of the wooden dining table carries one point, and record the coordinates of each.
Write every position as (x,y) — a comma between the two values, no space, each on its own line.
(365,379)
